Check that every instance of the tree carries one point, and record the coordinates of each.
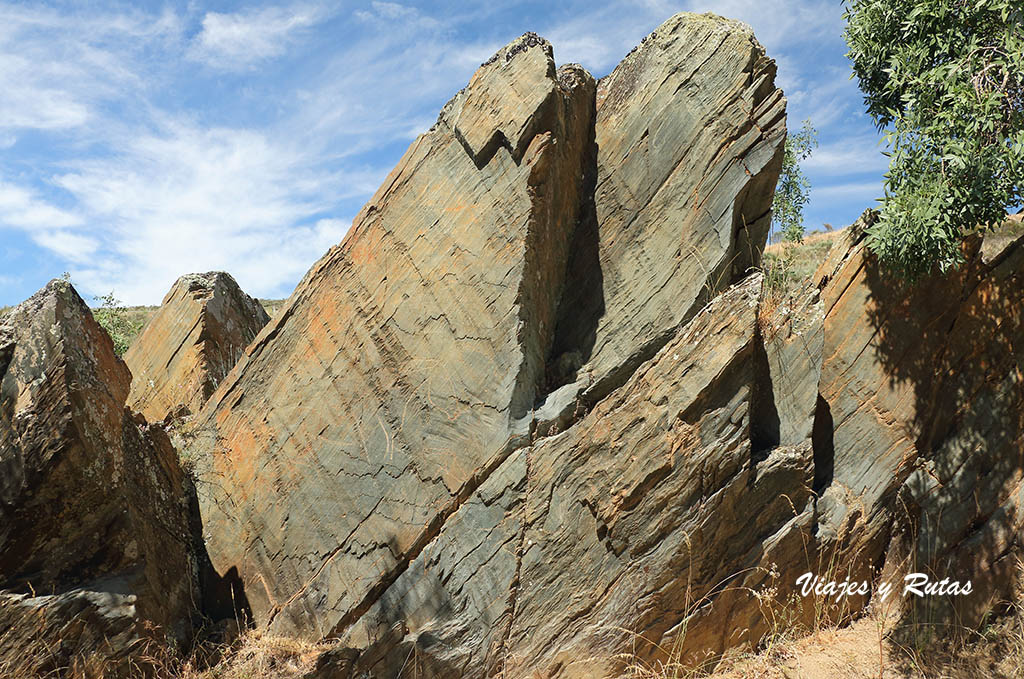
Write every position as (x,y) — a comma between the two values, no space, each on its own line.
(119,323)
(793,189)
(945,80)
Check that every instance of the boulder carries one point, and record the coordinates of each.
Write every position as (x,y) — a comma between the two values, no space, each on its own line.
(201,329)
(923,388)
(93,513)
(405,367)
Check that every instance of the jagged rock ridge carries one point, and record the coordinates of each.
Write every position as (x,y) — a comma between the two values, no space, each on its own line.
(421,357)
(404,367)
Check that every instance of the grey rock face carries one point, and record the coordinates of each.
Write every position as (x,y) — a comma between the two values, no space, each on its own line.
(403,369)
(90,496)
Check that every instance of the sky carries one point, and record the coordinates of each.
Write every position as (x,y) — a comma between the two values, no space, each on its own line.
(139,142)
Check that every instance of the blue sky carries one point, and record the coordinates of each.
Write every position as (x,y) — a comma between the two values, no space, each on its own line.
(141,142)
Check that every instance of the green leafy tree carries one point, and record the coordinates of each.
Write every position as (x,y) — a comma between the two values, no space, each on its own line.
(945,80)
(793,190)
(119,323)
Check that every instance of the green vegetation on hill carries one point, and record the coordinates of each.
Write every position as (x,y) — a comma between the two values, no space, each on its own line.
(122,324)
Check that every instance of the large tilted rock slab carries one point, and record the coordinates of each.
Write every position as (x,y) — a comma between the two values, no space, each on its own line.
(203,325)
(689,133)
(924,390)
(521,253)
(592,546)
(93,518)
(403,369)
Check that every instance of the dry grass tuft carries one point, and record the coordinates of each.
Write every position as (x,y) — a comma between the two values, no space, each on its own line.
(261,656)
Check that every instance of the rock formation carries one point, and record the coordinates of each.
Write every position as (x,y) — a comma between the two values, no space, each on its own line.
(403,369)
(600,540)
(416,358)
(536,414)
(922,388)
(204,324)
(95,553)
(689,131)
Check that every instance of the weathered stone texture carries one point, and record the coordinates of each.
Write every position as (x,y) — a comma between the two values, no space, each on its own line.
(90,498)
(924,389)
(690,130)
(203,325)
(405,365)
(597,542)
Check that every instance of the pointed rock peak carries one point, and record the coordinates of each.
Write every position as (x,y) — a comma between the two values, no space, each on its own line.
(208,282)
(190,345)
(57,320)
(77,471)
(503,101)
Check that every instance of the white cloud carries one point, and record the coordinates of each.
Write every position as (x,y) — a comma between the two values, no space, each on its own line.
(73,247)
(23,208)
(243,39)
(846,156)
(57,67)
(192,199)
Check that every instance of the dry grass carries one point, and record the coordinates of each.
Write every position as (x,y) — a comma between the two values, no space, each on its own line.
(260,656)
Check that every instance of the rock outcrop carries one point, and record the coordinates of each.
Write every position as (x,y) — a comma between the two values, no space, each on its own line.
(203,325)
(689,135)
(599,542)
(922,390)
(95,543)
(530,254)
(535,415)
(404,368)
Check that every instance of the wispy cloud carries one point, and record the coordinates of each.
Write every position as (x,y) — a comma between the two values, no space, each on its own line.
(846,156)
(243,39)
(194,199)
(139,145)
(57,68)
(23,208)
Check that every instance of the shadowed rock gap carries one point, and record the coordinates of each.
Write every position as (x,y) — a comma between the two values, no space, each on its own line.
(823,446)
(582,301)
(764,416)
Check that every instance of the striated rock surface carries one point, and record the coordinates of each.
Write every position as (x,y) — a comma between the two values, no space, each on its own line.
(689,133)
(522,261)
(924,391)
(403,369)
(201,329)
(596,543)
(94,532)
(534,416)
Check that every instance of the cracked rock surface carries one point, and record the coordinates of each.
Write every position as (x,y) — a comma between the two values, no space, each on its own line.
(403,369)
(536,415)
(203,325)
(95,544)
(924,391)
(434,343)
